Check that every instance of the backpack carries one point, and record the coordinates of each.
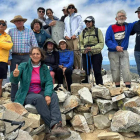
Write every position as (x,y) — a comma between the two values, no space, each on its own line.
(96,33)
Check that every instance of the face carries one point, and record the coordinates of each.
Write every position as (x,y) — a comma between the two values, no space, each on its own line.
(41,13)
(19,23)
(37,27)
(121,17)
(139,15)
(35,56)
(88,24)
(65,11)
(50,46)
(71,9)
(63,45)
(2,26)
(49,14)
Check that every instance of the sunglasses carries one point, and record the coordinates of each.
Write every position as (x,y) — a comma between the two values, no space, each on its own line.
(41,11)
(71,7)
(86,21)
(3,24)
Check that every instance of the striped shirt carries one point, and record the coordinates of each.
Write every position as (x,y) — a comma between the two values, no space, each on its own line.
(22,40)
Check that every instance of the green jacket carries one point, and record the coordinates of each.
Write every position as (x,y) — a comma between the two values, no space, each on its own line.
(25,72)
(91,40)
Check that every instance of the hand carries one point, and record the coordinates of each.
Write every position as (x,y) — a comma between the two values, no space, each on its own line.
(48,100)
(73,37)
(66,37)
(9,62)
(52,23)
(16,71)
(119,49)
(60,66)
(64,70)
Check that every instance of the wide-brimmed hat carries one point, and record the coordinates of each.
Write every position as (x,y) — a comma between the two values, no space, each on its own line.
(18,17)
(138,10)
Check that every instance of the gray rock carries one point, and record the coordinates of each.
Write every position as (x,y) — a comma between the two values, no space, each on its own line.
(129,94)
(63,119)
(6,94)
(118,97)
(31,108)
(94,109)
(100,92)
(125,121)
(85,95)
(38,130)
(70,103)
(101,122)
(61,95)
(69,115)
(106,105)
(23,135)
(89,118)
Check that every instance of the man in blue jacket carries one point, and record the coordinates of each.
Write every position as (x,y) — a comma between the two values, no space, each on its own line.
(117,39)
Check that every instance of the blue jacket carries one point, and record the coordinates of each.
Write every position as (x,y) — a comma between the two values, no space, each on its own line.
(110,38)
(66,58)
(41,37)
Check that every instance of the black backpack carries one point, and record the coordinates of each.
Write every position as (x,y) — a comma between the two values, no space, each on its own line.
(96,33)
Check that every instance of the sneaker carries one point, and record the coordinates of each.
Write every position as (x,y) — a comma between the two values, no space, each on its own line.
(58,87)
(59,132)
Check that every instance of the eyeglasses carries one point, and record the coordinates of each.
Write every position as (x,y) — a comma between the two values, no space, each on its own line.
(86,21)
(3,24)
(41,11)
(71,7)
(121,16)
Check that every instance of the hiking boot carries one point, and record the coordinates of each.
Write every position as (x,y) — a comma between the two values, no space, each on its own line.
(59,132)
(57,87)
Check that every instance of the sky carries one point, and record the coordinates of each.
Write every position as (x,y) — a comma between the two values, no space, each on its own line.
(104,12)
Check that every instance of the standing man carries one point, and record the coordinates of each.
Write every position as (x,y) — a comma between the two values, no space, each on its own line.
(23,39)
(117,39)
(65,14)
(5,45)
(91,43)
(136,29)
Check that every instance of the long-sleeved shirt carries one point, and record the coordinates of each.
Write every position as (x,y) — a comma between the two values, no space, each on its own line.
(5,45)
(22,40)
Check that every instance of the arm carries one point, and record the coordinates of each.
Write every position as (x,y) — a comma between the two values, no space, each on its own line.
(6,44)
(80,25)
(33,40)
(65,30)
(71,60)
(100,45)
(81,42)
(48,83)
(109,39)
(47,35)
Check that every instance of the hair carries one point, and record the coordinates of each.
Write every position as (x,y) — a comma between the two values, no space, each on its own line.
(40,8)
(45,48)
(36,21)
(66,45)
(48,10)
(40,50)
(75,9)
(121,11)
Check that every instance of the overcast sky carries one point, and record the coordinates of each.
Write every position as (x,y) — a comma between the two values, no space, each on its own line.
(104,12)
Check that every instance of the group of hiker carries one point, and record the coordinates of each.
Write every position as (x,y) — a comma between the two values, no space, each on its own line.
(36,61)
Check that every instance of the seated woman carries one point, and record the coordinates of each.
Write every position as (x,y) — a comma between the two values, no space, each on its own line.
(52,57)
(51,20)
(40,34)
(36,88)
(66,60)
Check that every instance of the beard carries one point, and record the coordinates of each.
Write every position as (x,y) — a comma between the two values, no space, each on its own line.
(121,21)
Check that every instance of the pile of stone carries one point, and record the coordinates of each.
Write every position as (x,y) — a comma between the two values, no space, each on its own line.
(85,109)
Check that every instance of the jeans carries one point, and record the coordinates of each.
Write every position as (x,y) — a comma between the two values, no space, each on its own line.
(137,58)
(50,114)
(16,59)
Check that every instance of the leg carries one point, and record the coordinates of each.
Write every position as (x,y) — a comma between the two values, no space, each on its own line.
(125,67)
(60,76)
(137,59)
(39,102)
(97,66)
(1,87)
(52,73)
(77,54)
(68,74)
(115,66)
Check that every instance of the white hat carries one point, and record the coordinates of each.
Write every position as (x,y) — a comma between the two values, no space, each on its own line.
(62,40)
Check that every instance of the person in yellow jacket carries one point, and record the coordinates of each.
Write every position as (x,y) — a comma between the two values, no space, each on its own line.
(5,45)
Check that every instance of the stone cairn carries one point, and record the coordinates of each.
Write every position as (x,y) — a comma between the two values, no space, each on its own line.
(116,110)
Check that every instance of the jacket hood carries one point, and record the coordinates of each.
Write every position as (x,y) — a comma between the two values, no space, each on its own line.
(49,40)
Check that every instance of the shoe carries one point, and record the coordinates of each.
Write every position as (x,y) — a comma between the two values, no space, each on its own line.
(58,87)
(59,132)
